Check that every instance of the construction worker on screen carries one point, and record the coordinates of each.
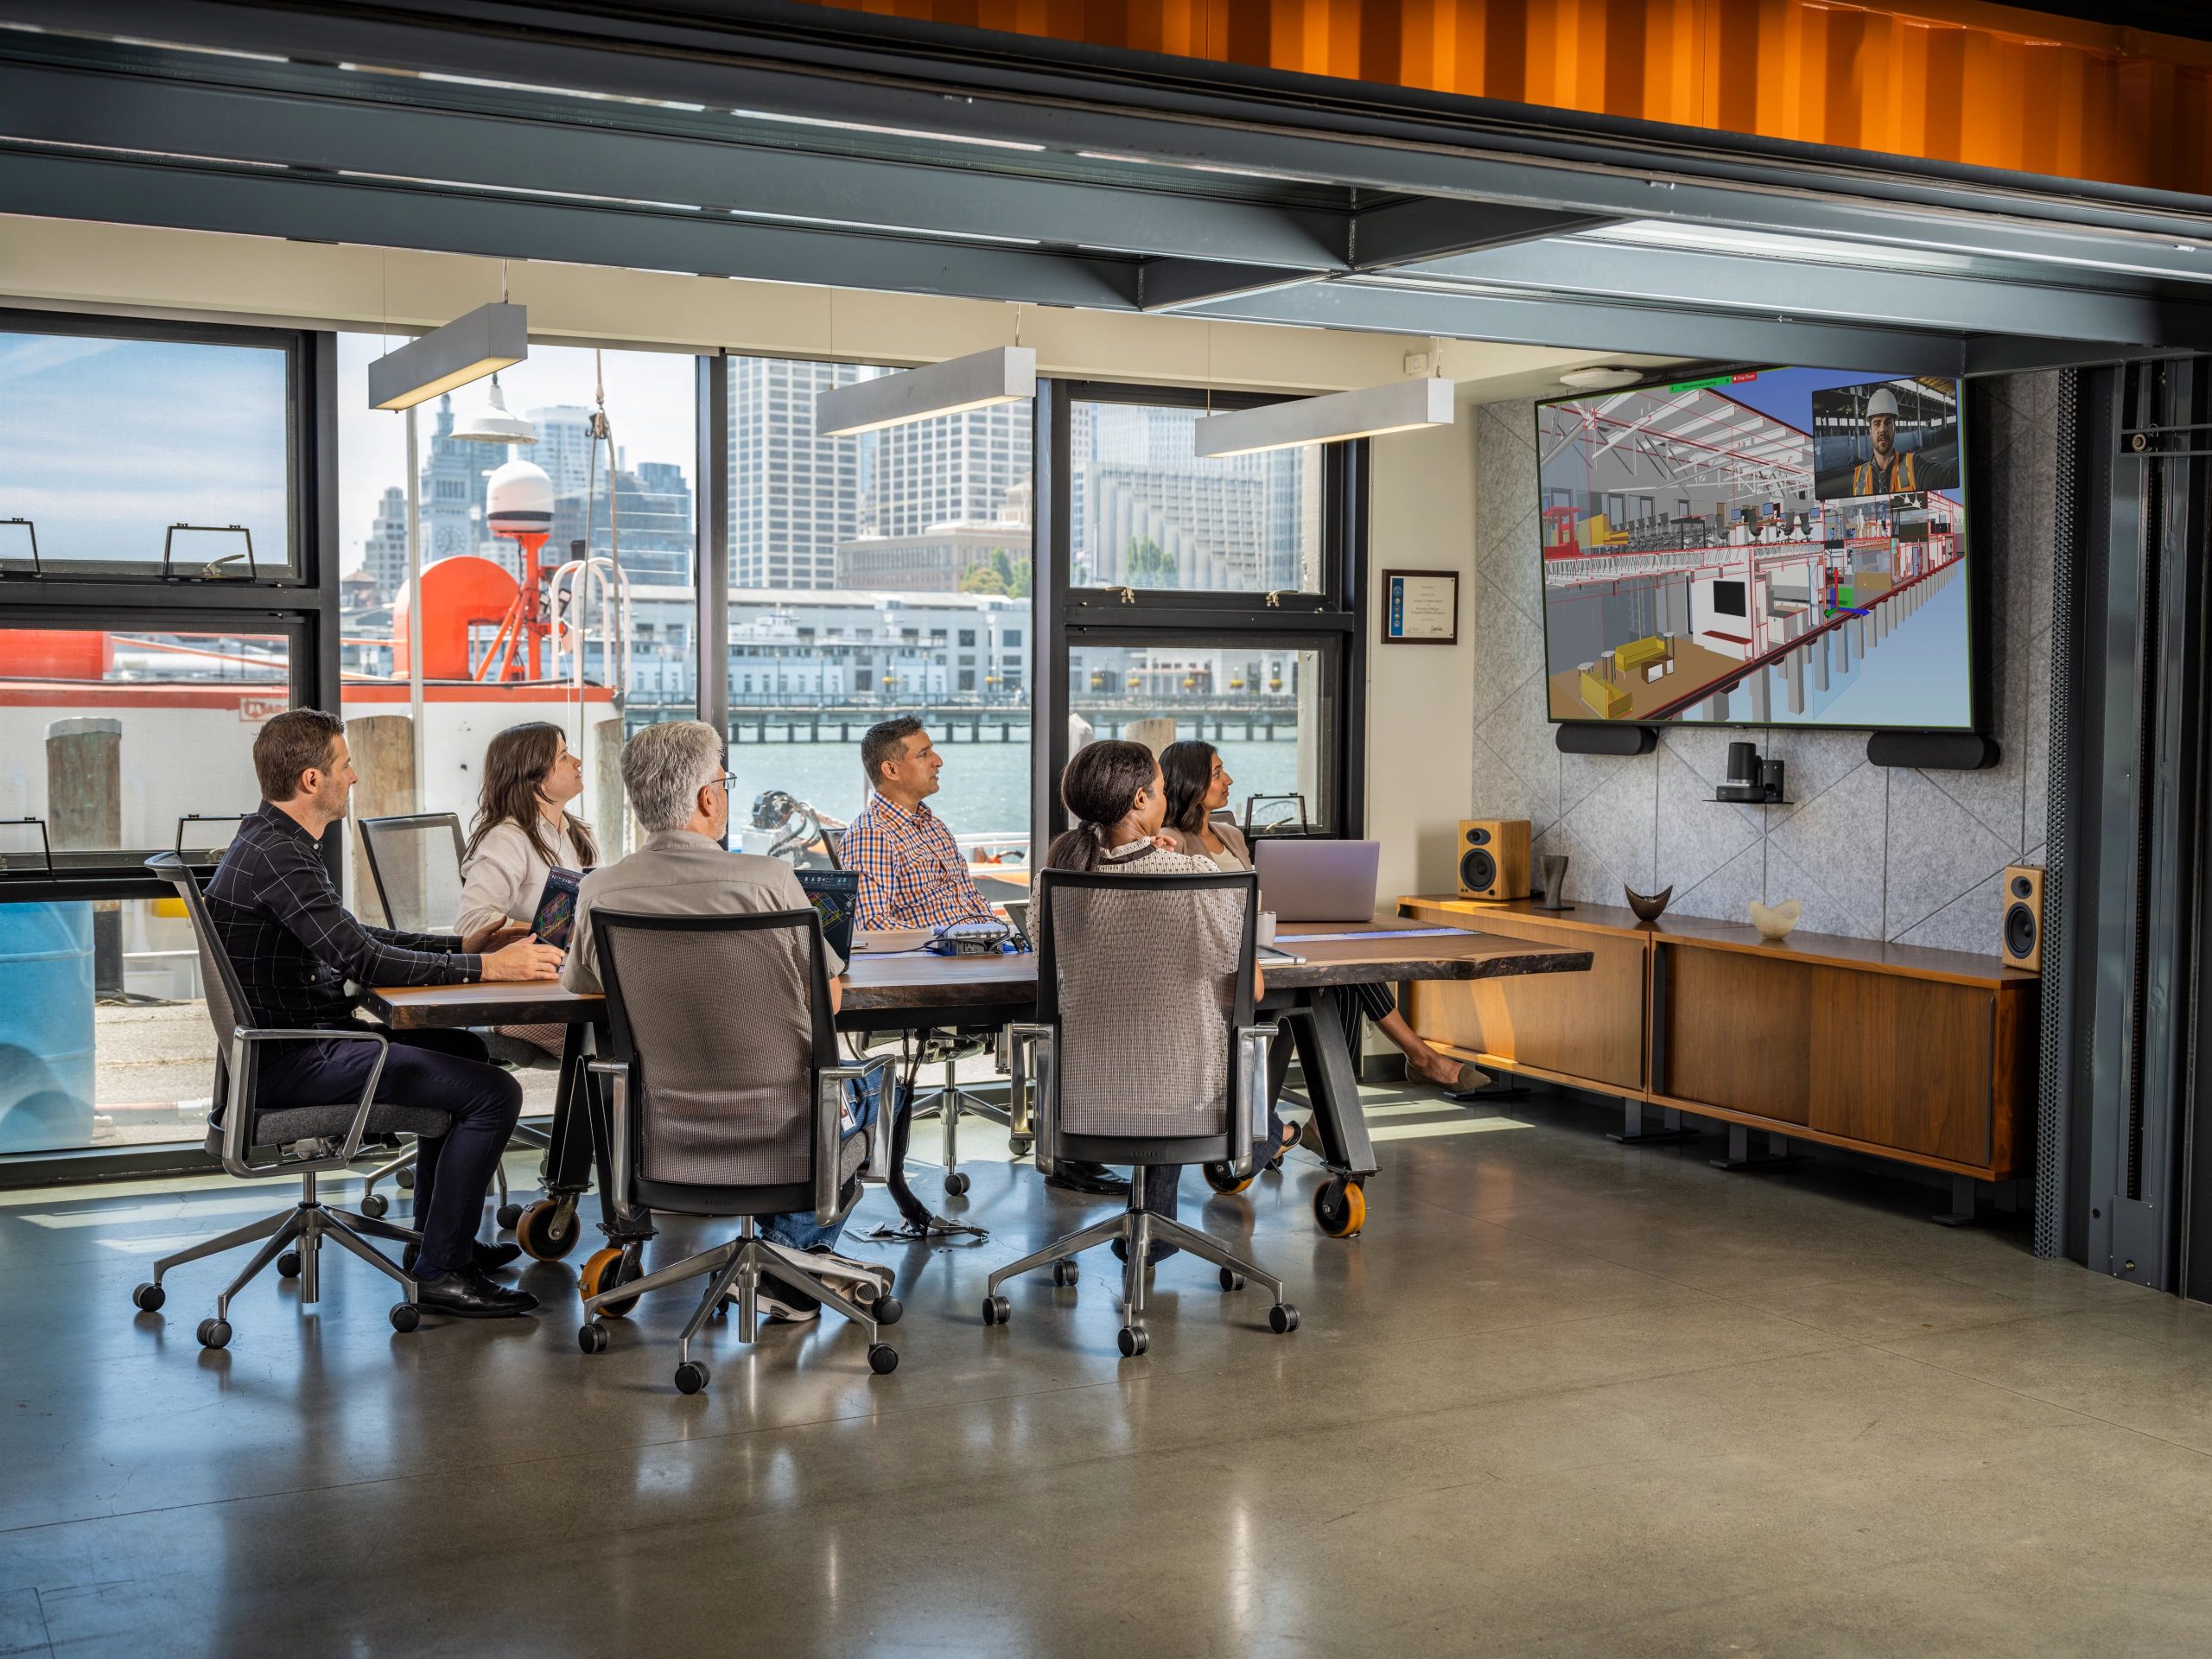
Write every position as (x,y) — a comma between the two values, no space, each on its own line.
(1889,472)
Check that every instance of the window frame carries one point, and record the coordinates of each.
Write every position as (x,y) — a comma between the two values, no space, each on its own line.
(1066,616)
(298,347)
(302,605)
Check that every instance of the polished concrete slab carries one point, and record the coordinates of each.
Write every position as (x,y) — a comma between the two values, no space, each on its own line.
(1561,1397)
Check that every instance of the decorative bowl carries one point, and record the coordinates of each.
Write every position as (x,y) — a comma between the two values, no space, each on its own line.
(1647,906)
(1775,921)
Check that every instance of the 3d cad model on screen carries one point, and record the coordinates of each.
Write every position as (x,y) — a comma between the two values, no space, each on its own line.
(1772,547)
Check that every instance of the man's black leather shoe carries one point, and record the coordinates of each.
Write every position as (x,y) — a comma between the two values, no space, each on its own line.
(470,1295)
(485,1258)
(1070,1175)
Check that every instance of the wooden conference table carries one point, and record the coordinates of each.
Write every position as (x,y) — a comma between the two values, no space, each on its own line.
(912,990)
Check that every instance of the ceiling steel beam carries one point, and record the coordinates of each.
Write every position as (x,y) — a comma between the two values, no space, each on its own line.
(1357,303)
(306,208)
(1899,297)
(1176,284)
(1411,232)
(347,130)
(884,72)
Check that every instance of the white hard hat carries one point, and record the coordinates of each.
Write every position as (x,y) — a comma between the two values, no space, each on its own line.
(1884,402)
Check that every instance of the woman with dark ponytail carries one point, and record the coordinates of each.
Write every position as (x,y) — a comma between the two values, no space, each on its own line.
(1115,795)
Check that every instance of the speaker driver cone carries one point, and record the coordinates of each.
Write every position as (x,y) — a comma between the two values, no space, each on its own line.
(1478,871)
(2020,931)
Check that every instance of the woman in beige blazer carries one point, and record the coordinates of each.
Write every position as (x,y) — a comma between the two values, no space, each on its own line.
(1198,786)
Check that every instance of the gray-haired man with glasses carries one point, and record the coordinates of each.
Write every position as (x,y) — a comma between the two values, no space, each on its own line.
(679,787)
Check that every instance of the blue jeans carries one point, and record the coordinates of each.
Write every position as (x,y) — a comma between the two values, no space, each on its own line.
(797,1229)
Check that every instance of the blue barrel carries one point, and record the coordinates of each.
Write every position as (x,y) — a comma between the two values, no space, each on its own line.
(45,1026)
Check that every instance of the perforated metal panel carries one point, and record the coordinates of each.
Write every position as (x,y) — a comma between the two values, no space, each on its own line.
(2050,1104)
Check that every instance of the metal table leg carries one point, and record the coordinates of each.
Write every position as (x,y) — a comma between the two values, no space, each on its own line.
(1317,1027)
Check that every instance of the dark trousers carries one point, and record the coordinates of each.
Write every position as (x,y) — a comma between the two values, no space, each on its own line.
(443,1071)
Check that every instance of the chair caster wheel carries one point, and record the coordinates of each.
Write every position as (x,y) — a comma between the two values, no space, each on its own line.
(148,1299)
(1340,1207)
(507,1215)
(996,1310)
(406,1179)
(1132,1341)
(1065,1273)
(1282,1318)
(1231,1280)
(1021,1145)
(373,1206)
(605,1270)
(545,1232)
(882,1359)
(592,1338)
(1225,1181)
(955,1184)
(405,1316)
(889,1310)
(288,1265)
(690,1377)
(214,1333)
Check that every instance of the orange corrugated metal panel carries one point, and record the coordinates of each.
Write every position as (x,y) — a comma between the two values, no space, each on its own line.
(1955,80)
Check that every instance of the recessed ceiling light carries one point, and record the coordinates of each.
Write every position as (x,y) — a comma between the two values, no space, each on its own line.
(1599,379)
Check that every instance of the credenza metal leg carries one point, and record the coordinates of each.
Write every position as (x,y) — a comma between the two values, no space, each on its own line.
(1637,1130)
(1964,1191)
(1740,1155)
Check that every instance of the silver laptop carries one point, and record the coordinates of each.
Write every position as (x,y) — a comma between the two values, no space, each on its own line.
(1305,879)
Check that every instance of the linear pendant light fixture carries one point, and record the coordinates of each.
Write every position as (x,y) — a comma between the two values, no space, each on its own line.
(1401,406)
(487,340)
(1004,374)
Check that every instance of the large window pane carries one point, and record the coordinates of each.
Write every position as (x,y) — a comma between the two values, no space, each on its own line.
(871,576)
(104,1033)
(602,640)
(107,444)
(1147,513)
(110,738)
(1265,707)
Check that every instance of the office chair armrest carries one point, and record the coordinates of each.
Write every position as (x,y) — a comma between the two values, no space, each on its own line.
(829,1113)
(1247,1095)
(1032,1064)
(617,1076)
(238,1122)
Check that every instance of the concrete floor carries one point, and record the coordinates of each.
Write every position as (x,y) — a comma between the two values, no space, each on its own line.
(1561,1398)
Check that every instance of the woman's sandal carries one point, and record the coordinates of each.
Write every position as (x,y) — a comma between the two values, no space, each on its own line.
(1292,1133)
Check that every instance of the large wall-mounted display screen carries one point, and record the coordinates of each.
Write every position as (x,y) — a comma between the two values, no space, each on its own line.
(1782,547)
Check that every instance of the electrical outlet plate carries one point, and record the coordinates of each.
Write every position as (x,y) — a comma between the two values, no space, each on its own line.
(1416,362)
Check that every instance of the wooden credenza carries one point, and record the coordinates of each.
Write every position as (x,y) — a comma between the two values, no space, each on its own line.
(1926,1056)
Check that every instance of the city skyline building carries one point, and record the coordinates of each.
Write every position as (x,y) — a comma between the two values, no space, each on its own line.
(794,497)
(384,551)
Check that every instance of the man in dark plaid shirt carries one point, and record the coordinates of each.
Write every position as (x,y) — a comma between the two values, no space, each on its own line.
(913,874)
(294,946)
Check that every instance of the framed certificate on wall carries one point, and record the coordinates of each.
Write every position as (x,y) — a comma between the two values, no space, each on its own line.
(1421,608)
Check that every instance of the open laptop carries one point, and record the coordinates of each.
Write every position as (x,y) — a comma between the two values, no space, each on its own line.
(836,896)
(1303,879)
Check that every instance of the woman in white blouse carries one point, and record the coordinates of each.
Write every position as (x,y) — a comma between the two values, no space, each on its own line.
(1198,786)
(524,830)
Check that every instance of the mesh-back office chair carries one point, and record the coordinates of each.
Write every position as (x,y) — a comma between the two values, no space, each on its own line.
(727,1096)
(1145,1054)
(302,1139)
(415,863)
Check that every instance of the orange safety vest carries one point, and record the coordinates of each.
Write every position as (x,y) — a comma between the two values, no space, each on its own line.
(1903,476)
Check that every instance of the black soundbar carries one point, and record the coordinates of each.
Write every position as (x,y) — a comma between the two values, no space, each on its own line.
(1603,737)
(1933,751)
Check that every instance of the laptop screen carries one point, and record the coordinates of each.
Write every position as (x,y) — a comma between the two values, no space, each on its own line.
(836,896)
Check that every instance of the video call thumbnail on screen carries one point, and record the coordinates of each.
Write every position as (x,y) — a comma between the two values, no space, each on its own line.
(1773,547)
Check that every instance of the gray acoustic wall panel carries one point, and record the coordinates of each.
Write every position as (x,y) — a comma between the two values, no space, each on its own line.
(1875,853)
